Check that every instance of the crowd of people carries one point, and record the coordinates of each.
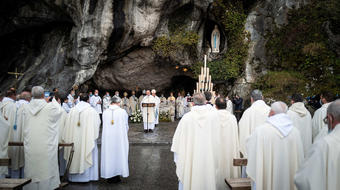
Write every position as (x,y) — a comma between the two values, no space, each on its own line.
(285,147)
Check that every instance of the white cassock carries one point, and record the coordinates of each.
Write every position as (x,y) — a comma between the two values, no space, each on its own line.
(230,106)
(106,102)
(180,106)
(115,143)
(84,166)
(302,120)
(158,101)
(321,168)
(172,106)
(229,146)
(125,104)
(94,103)
(9,110)
(66,107)
(197,145)
(253,117)
(275,152)
(17,152)
(4,130)
(133,100)
(41,144)
(149,112)
(318,126)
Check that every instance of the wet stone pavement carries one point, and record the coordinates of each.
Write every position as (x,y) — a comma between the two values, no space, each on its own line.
(151,163)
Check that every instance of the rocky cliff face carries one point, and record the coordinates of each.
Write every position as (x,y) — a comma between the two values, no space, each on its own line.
(107,43)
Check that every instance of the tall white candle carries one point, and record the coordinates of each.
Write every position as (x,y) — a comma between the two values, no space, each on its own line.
(205,61)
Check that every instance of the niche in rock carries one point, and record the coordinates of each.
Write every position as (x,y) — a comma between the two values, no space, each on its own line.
(209,28)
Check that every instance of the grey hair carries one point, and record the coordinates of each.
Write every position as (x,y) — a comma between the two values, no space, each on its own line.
(116,100)
(279,107)
(334,109)
(153,91)
(38,92)
(256,95)
(25,96)
(199,99)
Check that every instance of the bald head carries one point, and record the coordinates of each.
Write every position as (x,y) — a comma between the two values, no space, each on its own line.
(199,99)
(26,96)
(278,107)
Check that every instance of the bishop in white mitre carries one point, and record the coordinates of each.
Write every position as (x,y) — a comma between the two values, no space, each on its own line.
(4,130)
(41,142)
(133,100)
(253,117)
(197,148)
(8,110)
(115,143)
(158,102)
(274,151)
(149,112)
(321,168)
(106,101)
(302,120)
(229,142)
(319,128)
(82,128)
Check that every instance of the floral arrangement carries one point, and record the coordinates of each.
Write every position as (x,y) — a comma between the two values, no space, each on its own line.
(136,116)
(164,116)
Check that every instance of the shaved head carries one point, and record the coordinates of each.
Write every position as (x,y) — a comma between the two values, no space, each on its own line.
(278,107)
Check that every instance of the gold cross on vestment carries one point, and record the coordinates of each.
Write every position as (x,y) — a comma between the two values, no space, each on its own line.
(16,73)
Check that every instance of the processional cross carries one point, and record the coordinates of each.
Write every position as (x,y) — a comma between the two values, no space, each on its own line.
(16,74)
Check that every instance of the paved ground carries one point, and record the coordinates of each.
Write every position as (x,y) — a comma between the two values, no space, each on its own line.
(150,162)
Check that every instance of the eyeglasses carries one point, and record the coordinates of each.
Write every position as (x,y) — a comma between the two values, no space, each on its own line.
(325,120)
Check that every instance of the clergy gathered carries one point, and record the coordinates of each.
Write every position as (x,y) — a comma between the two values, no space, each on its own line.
(286,147)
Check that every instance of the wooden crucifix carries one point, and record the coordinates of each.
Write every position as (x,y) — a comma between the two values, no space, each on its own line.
(17,74)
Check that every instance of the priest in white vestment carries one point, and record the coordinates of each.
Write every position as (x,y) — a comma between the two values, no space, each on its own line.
(115,143)
(41,142)
(302,120)
(229,142)
(70,97)
(253,117)
(9,110)
(96,102)
(149,112)
(158,101)
(321,168)
(125,103)
(4,130)
(197,148)
(82,128)
(133,100)
(179,106)
(274,152)
(172,106)
(230,106)
(319,128)
(106,101)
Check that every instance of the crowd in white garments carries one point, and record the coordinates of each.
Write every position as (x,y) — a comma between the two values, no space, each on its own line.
(285,147)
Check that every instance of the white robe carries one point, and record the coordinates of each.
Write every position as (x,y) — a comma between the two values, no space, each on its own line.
(133,100)
(302,120)
(158,101)
(253,117)
(106,102)
(9,110)
(94,103)
(70,102)
(229,146)
(84,166)
(115,143)
(230,106)
(317,122)
(274,155)
(321,168)
(66,107)
(41,144)
(125,104)
(197,145)
(4,128)
(149,113)
(180,107)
